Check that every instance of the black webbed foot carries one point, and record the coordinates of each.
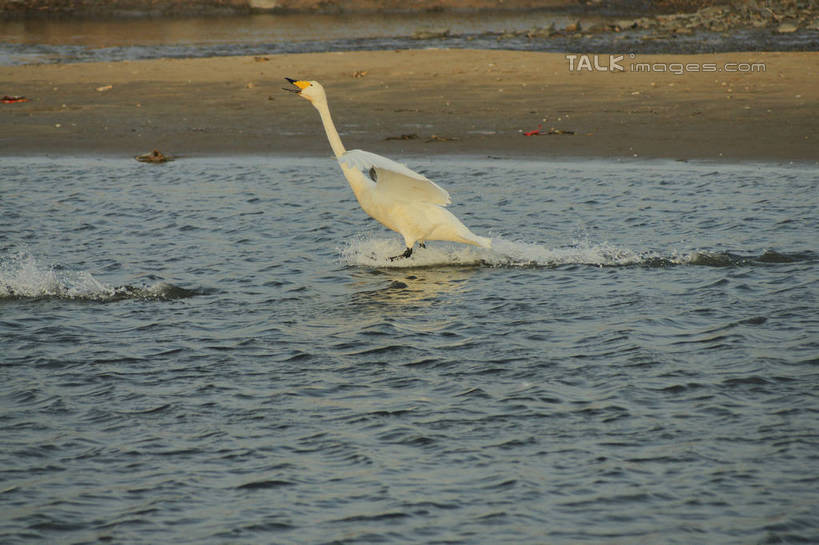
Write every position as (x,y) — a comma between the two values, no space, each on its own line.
(422,245)
(407,253)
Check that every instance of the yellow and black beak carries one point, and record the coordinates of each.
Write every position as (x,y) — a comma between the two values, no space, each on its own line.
(301,84)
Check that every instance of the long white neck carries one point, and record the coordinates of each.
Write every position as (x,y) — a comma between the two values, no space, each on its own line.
(358,183)
(330,128)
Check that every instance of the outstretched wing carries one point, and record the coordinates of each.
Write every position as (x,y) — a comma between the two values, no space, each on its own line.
(394,180)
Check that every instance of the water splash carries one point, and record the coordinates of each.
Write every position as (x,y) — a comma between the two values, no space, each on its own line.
(371,251)
(582,252)
(22,276)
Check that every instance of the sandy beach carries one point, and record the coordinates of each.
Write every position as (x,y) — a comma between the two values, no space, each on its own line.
(744,106)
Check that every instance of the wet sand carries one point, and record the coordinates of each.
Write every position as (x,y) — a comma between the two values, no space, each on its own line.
(420,102)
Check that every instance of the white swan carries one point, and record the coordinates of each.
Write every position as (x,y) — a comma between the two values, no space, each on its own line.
(397,197)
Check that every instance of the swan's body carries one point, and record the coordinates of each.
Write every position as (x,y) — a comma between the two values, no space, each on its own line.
(389,192)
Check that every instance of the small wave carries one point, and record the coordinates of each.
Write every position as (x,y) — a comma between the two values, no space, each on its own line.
(371,251)
(729,259)
(22,276)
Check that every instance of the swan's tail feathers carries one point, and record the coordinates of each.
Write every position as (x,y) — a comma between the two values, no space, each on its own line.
(471,238)
(485,243)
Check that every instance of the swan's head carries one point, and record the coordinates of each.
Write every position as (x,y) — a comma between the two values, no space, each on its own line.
(311,90)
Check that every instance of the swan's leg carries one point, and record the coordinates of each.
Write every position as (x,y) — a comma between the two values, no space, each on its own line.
(407,253)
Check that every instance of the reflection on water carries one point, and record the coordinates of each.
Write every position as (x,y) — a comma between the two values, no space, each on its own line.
(422,286)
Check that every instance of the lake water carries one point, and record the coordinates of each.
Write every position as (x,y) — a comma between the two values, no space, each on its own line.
(216,350)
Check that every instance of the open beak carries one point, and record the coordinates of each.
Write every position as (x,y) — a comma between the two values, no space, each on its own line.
(298,83)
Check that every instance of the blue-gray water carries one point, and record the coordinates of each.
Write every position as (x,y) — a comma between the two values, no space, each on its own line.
(214,351)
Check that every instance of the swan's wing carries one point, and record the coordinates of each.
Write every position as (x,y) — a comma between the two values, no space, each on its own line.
(394,179)
(364,161)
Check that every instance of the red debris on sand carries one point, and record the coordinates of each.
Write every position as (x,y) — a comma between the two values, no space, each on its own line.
(12,99)
(540,130)
(534,132)
(155,156)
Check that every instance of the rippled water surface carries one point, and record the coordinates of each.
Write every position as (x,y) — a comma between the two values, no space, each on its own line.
(216,351)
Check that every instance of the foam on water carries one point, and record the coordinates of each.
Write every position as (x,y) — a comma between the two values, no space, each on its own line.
(24,276)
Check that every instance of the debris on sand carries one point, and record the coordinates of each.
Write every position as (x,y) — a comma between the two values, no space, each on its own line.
(411,136)
(155,156)
(430,34)
(533,132)
(436,138)
(552,130)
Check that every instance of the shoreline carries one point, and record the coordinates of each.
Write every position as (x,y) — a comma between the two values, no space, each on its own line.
(412,102)
(412,160)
